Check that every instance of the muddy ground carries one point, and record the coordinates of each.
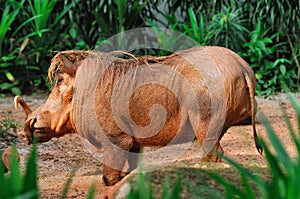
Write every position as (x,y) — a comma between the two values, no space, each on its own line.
(57,158)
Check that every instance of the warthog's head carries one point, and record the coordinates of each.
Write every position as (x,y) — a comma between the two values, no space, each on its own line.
(54,117)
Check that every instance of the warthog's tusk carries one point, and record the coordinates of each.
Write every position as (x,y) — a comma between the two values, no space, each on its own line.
(16,102)
(19,99)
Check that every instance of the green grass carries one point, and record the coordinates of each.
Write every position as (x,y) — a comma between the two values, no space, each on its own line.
(17,185)
(7,124)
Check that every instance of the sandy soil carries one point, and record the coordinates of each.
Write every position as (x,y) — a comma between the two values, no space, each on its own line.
(58,158)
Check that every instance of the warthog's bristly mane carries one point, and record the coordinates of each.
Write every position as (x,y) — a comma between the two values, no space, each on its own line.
(77,56)
(57,65)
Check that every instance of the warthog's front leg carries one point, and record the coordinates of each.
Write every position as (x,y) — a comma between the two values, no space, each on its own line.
(113,163)
(116,152)
(110,175)
(215,155)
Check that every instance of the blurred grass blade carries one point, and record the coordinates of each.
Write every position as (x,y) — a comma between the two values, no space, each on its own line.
(121,13)
(143,189)
(291,130)
(25,23)
(247,187)
(15,177)
(193,21)
(230,188)
(276,143)
(164,194)
(272,161)
(30,181)
(27,195)
(23,45)
(4,192)
(245,172)
(91,192)
(175,194)
(68,182)
(296,106)
(63,12)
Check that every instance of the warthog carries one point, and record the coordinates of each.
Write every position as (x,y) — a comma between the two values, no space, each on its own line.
(121,105)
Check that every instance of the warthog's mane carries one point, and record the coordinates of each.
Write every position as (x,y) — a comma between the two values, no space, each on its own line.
(77,56)
(57,64)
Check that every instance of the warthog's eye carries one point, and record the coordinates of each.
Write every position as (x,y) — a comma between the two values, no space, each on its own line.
(60,80)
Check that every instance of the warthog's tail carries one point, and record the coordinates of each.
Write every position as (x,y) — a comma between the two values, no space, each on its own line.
(252,94)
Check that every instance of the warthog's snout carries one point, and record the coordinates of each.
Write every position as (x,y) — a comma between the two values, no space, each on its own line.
(27,134)
(36,125)
(25,137)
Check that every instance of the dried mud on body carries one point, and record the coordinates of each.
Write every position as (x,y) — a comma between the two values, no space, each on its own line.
(58,158)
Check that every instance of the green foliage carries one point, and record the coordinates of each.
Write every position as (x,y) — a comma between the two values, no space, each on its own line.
(16,185)
(168,40)
(225,28)
(25,186)
(143,188)
(280,17)
(32,31)
(7,124)
(228,27)
(94,21)
(9,15)
(198,30)
(26,51)
(270,71)
(284,169)
(45,30)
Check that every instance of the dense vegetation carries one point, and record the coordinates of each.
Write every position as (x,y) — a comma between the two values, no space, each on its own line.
(266,33)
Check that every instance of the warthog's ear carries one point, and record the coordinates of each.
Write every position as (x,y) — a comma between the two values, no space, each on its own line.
(69,67)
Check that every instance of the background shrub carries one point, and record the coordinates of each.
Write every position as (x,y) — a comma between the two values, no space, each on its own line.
(265,33)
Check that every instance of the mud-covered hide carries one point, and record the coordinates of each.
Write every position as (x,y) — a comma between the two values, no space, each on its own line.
(208,83)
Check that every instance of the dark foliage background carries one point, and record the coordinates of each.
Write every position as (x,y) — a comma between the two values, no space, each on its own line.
(266,33)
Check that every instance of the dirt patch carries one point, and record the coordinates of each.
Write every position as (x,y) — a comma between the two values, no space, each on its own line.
(58,158)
